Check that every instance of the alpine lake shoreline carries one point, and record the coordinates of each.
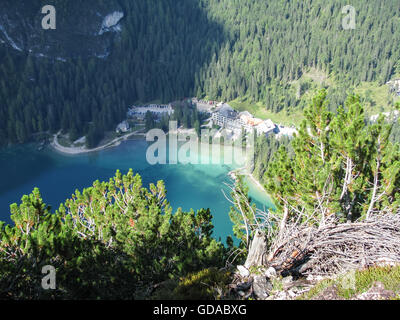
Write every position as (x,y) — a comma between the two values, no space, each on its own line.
(78,170)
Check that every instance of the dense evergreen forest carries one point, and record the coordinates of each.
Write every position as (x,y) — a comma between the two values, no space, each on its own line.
(265,152)
(222,49)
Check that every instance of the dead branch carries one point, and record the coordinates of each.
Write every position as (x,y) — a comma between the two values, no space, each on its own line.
(335,248)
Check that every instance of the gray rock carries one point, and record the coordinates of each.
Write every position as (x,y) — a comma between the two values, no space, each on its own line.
(315,278)
(292,294)
(243,271)
(244,286)
(330,293)
(241,293)
(271,273)
(287,280)
(281,295)
(111,21)
(376,292)
(261,287)
(77,36)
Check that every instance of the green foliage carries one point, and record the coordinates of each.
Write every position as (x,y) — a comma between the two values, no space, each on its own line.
(149,121)
(243,213)
(185,114)
(113,240)
(207,284)
(395,135)
(263,54)
(363,280)
(340,166)
(90,95)
(265,150)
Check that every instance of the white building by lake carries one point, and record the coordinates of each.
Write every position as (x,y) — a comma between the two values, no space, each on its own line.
(225,116)
(267,127)
(286,131)
(156,109)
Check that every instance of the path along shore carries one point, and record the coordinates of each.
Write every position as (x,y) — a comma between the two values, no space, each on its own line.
(81,150)
(244,172)
(117,141)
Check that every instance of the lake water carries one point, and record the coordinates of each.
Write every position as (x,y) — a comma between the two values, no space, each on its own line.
(22,168)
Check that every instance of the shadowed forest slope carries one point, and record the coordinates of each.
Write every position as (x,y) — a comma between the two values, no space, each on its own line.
(164,50)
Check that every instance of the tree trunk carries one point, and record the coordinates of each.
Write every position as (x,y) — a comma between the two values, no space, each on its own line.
(257,250)
(285,217)
(376,181)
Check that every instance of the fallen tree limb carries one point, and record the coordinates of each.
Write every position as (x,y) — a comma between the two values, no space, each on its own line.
(335,248)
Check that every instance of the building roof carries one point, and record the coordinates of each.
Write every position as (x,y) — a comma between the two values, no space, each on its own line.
(245,114)
(123,126)
(269,123)
(227,111)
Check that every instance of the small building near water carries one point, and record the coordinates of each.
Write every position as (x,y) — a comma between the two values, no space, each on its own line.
(267,127)
(123,127)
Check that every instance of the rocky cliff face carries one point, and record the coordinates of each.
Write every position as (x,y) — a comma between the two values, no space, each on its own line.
(84,28)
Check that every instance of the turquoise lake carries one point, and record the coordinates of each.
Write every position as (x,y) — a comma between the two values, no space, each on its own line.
(22,168)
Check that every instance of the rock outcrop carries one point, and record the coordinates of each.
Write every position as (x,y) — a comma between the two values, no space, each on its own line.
(83,29)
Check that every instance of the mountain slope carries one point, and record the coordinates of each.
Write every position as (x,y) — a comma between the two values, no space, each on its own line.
(79,32)
(166,50)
